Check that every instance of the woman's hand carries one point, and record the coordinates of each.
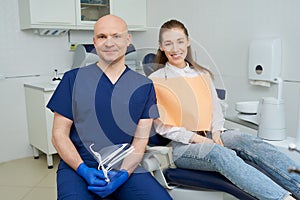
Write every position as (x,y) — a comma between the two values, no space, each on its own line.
(216,137)
(200,139)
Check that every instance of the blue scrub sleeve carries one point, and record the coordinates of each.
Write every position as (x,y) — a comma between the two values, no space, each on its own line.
(151,110)
(61,100)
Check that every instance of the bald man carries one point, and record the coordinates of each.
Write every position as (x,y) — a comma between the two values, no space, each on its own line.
(102,105)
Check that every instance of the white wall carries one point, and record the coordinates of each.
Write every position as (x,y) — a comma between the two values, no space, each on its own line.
(22,53)
(223,27)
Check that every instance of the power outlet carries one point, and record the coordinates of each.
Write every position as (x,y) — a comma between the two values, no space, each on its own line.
(73,47)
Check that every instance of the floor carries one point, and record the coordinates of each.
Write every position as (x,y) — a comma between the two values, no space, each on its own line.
(30,179)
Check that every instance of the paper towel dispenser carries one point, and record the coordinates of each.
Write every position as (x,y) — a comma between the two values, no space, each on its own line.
(264,59)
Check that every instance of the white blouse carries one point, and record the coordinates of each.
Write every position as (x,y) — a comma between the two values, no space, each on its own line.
(180,134)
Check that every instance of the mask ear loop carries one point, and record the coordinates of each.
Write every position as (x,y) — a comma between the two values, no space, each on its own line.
(100,164)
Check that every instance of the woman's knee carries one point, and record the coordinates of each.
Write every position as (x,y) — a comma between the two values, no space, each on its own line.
(232,139)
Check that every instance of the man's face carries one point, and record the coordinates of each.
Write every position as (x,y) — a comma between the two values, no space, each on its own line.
(111,40)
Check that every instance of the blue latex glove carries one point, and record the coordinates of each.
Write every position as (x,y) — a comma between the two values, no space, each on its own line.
(116,180)
(91,175)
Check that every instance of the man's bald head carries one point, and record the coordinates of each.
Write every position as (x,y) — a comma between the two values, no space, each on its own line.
(111,22)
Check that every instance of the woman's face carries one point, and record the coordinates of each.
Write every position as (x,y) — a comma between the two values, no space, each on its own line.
(175,43)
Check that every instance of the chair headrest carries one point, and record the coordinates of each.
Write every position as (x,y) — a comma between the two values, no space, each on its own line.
(130,49)
(148,63)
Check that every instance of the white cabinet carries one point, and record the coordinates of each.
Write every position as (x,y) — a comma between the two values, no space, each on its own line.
(54,14)
(134,12)
(79,14)
(40,119)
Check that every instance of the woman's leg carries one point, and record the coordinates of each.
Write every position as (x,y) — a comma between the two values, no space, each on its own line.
(266,156)
(225,161)
(142,186)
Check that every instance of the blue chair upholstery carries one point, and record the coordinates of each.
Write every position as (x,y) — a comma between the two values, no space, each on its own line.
(204,180)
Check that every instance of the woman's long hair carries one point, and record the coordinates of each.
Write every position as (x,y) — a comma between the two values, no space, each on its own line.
(161,58)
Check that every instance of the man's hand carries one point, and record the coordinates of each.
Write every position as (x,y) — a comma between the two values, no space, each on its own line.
(116,180)
(91,176)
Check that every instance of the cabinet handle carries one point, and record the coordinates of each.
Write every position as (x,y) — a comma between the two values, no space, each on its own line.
(54,22)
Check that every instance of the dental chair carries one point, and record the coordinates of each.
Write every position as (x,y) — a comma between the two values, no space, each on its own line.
(185,183)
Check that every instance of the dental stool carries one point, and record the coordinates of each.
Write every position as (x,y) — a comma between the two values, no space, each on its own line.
(185,183)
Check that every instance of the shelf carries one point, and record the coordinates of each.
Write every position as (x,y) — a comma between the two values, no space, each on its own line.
(93,5)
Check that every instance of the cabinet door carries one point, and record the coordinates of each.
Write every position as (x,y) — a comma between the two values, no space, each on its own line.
(89,11)
(52,12)
(132,11)
(58,14)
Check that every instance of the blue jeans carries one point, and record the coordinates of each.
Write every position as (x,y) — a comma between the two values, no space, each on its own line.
(229,161)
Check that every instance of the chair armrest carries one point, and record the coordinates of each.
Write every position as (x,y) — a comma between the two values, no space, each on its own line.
(151,161)
(158,150)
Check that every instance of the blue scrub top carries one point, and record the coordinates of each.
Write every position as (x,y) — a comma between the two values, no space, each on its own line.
(118,107)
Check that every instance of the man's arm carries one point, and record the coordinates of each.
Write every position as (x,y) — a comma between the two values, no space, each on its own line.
(62,142)
(139,142)
(67,151)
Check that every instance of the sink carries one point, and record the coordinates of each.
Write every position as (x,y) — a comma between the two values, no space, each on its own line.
(247,107)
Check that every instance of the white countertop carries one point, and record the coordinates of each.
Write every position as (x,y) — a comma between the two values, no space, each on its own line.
(235,119)
(47,85)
